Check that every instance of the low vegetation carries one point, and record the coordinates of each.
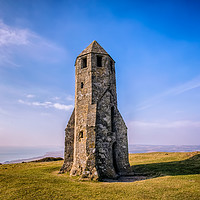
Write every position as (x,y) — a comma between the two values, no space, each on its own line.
(48,159)
(169,176)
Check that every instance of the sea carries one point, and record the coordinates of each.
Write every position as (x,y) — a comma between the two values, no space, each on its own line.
(8,154)
(22,154)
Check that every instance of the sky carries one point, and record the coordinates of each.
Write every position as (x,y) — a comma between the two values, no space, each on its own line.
(155,44)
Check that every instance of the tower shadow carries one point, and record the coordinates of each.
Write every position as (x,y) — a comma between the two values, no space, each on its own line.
(183,167)
(148,171)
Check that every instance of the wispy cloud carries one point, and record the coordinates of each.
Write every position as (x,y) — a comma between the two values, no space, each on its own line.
(64,97)
(70,98)
(17,41)
(56,98)
(13,36)
(195,83)
(62,106)
(3,112)
(30,95)
(47,104)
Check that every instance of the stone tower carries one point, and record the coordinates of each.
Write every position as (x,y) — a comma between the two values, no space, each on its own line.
(96,143)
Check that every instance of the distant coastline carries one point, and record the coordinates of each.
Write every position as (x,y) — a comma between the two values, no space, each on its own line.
(138,148)
(48,154)
(59,152)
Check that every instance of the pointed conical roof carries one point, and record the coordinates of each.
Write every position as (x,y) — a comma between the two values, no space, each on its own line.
(94,47)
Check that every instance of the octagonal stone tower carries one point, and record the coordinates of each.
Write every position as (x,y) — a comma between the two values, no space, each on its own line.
(96,143)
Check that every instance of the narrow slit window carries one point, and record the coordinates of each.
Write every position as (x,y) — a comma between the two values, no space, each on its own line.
(80,135)
(82,84)
(99,61)
(112,119)
(84,62)
(111,65)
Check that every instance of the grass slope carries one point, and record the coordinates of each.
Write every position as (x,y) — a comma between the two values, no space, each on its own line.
(171,176)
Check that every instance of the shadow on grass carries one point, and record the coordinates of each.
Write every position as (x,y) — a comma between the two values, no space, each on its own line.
(184,167)
(154,170)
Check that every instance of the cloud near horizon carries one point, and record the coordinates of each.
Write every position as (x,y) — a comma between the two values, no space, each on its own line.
(172,124)
(163,132)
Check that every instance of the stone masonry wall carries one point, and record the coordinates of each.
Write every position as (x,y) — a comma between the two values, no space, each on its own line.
(104,139)
(69,144)
(121,149)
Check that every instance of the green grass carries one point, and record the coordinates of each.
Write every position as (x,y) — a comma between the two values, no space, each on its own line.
(171,176)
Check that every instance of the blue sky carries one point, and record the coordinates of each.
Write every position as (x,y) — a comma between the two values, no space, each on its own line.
(155,44)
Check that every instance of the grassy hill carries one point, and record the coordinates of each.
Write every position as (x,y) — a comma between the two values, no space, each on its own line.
(169,176)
